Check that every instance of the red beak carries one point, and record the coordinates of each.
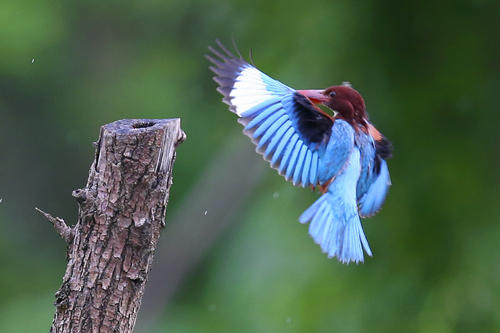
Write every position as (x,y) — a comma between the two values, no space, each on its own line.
(315,96)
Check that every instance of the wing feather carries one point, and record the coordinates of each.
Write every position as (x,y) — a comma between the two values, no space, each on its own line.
(297,174)
(288,152)
(283,143)
(272,130)
(268,122)
(307,167)
(314,168)
(293,160)
(289,131)
(277,137)
(264,115)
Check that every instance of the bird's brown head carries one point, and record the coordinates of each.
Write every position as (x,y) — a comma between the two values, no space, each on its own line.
(345,100)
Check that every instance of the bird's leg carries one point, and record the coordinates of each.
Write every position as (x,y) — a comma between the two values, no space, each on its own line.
(324,188)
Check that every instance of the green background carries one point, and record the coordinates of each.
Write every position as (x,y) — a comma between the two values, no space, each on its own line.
(233,257)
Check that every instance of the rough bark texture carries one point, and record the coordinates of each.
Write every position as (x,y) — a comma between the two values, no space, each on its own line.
(122,210)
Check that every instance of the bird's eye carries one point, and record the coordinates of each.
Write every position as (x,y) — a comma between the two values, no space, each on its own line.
(332,93)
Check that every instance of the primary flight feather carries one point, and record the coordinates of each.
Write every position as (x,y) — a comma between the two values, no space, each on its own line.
(344,156)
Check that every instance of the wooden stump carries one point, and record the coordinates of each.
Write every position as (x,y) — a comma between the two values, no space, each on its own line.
(121,212)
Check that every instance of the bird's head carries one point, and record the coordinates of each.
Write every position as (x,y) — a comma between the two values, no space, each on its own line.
(345,100)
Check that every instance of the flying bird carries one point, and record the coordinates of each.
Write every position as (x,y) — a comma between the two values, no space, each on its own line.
(340,154)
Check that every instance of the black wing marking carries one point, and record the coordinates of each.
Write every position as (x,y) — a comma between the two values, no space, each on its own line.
(313,125)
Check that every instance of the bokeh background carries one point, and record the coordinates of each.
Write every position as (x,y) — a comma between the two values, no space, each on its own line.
(233,257)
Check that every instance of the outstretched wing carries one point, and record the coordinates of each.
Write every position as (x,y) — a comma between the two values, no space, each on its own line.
(289,131)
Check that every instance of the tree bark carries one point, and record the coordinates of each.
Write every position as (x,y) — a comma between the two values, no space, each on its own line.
(121,212)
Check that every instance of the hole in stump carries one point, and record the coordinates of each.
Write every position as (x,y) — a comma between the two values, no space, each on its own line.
(143,124)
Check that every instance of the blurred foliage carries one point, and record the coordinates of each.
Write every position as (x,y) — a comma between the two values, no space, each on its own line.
(429,72)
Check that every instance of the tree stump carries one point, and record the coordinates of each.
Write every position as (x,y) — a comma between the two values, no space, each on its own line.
(121,212)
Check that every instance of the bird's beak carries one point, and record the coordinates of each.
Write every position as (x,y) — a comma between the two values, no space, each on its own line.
(315,96)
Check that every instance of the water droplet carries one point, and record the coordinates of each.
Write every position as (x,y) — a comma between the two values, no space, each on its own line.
(32,60)
(205,212)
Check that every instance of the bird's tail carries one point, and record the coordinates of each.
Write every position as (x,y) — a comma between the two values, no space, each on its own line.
(336,227)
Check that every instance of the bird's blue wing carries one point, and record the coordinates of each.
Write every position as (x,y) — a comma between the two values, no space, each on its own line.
(289,131)
(374,180)
(366,147)
(373,199)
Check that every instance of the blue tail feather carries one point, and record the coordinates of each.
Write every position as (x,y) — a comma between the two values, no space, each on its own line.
(335,223)
(311,211)
(337,229)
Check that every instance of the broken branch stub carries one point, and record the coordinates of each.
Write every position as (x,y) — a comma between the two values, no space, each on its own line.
(121,211)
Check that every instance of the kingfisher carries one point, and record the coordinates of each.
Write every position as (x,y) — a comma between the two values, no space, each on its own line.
(337,152)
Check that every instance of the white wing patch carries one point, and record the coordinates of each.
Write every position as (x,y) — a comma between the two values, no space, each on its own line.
(248,90)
